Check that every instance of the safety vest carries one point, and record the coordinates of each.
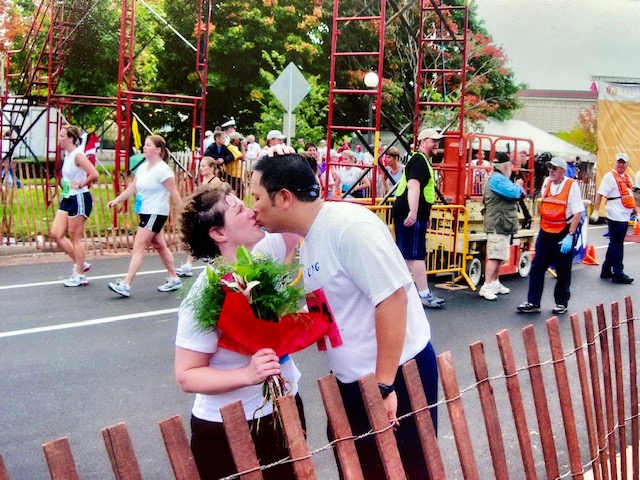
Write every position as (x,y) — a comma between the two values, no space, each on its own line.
(625,189)
(429,191)
(553,209)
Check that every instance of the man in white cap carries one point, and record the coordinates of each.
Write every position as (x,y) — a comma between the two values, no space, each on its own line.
(414,196)
(208,140)
(560,212)
(617,188)
(274,137)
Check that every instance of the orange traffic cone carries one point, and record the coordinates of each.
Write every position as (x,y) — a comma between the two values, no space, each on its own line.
(636,228)
(590,256)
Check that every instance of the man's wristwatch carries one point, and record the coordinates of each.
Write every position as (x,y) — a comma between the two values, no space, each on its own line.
(385,390)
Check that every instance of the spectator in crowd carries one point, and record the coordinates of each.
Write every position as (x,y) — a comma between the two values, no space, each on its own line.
(415,195)
(500,222)
(322,151)
(274,137)
(153,185)
(522,172)
(561,210)
(208,140)
(215,222)
(210,174)
(253,150)
(394,167)
(571,167)
(228,128)
(369,293)
(329,180)
(350,181)
(78,174)
(218,151)
(235,168)
(617,188)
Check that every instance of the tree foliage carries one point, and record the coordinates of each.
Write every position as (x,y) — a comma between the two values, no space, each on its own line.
(252,41)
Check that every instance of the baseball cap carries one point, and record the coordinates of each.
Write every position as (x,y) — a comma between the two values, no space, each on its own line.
(208,133)
(234,136)
(501,157)
(558,162)
(429,133)
(275,134)
(622,156)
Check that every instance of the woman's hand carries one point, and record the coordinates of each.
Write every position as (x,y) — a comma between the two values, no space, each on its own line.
(112,203)
(264,363)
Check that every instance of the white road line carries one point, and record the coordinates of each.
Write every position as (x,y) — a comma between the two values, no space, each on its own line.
(86,323)
(90,277)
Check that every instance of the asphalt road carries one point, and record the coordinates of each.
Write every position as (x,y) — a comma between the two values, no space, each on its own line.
(73,361)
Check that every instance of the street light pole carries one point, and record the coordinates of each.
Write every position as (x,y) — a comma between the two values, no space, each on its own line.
(371,80)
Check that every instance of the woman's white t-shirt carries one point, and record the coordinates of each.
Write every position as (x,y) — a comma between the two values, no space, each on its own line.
(207,407)
(149,187)
(73,173)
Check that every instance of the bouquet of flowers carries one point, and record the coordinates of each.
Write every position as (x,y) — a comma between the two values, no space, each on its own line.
(254,304)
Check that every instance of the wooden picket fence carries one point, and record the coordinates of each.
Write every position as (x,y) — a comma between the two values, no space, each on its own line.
(603,366)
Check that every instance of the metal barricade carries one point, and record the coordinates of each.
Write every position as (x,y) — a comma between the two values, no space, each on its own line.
(448,242)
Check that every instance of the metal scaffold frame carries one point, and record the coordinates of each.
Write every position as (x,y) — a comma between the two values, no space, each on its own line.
(36,81)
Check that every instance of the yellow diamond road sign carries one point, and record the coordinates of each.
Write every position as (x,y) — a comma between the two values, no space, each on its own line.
(290,87)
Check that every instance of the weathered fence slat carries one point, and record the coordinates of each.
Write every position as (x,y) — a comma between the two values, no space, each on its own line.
(178,449)
(517,406)
(586,395)
(60,460)
(241,445)
(379,421)
(489,411)
(540,402)
(620,407)
(120,450)
(339,423)
(457,416)
(295,437)
(4,475)
(633,389)
(564,396)
(597,393)
(608,388)
(426,430)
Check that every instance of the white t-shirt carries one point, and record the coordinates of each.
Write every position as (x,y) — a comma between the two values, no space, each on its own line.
(207,407)
(155,197)
(73,173)
(350,254)
(614,208)
(575,203)
(253,149)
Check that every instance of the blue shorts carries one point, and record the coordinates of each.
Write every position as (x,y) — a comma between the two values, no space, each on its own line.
(80,204)
(412,241)
(152,222)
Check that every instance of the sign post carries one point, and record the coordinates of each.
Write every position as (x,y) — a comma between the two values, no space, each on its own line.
(290,88)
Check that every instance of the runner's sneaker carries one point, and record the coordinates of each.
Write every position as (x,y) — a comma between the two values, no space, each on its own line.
(432,301)
(559,308)
(86,267)
(499,289)
(486,291)
(76,281)
(185,270)
(120,288)
(528,307)
(170,285)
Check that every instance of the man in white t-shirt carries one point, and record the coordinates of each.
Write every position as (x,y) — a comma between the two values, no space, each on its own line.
(349,253)
(617,188)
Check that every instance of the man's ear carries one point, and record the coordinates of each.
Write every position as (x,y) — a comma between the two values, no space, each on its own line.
(286,197)
(217,234)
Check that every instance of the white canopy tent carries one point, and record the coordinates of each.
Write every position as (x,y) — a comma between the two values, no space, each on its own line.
(542,141)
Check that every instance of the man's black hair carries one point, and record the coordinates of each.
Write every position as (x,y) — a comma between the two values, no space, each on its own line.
(291,172)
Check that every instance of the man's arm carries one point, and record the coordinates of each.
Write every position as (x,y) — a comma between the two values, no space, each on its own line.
(413,198)
(391,327)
